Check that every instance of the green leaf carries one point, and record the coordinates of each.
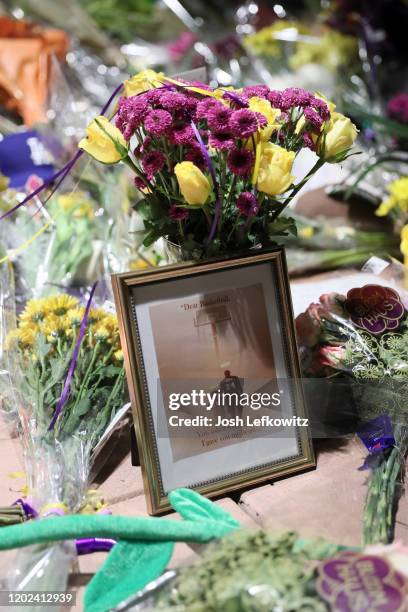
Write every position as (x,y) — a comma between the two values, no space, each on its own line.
(82,407)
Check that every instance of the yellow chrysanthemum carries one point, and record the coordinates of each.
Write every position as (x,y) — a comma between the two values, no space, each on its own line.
(26,337)
(95,315)
(75,316)
(54,327)
(34,311)
(102,333)
(60,304)
(118,355)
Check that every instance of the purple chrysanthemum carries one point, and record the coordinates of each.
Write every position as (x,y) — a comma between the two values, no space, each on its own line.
(152,162)
(397,107)
(240,161)
(294,96)
(177,214)
(173,100)
(313,118)
(218,118)
(182,134)
(259,91)
(321,107)
(243,123)
(158,122)
(221,140)
(130,114)
(275,98)
(194,154)
(262,120)
(139,182)
(247,204)
(308,142)
(204,106)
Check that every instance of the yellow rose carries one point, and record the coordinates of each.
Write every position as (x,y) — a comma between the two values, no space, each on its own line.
(143,81)
(193,184)
(340,136)
(260,105)
(274,176)
(104,141)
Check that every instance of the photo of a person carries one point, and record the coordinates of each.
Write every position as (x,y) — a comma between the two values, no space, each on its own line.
(215,342)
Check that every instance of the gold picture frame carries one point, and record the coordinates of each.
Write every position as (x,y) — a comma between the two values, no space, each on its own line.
(136,294)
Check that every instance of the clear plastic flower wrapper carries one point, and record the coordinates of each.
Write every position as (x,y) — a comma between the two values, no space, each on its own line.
(361,339)
(69,384)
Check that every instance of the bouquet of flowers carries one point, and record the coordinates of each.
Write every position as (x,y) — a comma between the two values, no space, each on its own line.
(216,165)
(364,336)
(68,378)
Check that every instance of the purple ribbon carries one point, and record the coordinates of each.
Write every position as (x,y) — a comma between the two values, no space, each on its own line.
(377,435)
(237,99)
(213,178)
(86,546)
(65,391)
(27,508)
(61,174)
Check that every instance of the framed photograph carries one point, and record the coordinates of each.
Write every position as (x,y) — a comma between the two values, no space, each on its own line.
(213,374)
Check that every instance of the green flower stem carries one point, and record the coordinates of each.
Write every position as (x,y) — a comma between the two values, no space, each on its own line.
(379,505)
(88,374)
(136,170)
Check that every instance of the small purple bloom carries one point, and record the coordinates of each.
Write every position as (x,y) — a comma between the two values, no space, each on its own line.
(130,114)
(240,161)
(204,106)
(275,98)
(177,214)
(397,107)
(243,123)
(313,118)
(221,140)
(262,121)
(308,142)
(247,204)
(321,107)
(294,96)
(152,162)
(259,91)
(195,155)
(158,122)
(218,118)
(173,100)
(182,134)
(140,184)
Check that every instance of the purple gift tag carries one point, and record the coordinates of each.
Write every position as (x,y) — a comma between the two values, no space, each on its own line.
(377,436)
(354,582)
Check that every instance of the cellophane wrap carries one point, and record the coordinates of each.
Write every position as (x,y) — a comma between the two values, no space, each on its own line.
(59,451)
(361,338)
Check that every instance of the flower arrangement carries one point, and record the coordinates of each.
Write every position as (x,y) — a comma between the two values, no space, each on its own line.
(216,165)
(364,336)
(396,206)
(66,367)
(44,340)
(328,47)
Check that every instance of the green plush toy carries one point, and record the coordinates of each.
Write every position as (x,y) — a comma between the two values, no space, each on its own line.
(144,547)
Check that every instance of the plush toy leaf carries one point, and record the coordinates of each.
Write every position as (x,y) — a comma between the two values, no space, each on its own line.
(194,507)
(128,568)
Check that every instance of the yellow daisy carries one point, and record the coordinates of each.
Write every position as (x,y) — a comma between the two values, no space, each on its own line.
(54,327)
(60,304)
(75,316)
(34,311)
